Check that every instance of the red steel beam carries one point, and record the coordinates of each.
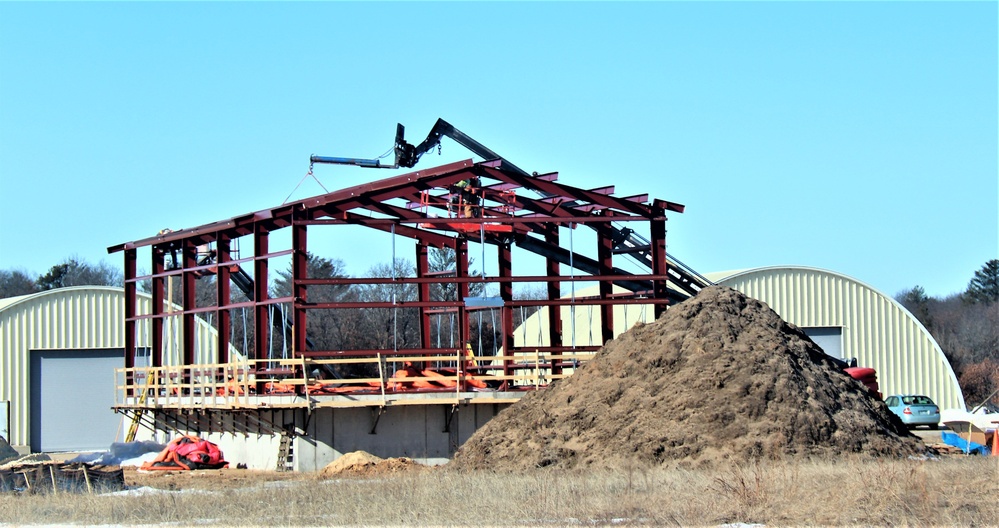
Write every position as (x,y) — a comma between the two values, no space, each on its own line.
(605,258)
(260,282)
(223,255)
(190,260)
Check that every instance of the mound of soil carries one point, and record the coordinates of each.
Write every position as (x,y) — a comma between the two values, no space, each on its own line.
(718,378)
(362,463)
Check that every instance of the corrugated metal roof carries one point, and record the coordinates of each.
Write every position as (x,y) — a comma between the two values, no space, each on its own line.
(7,301)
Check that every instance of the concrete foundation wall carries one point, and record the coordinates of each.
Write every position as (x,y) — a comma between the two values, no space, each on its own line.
(429,434)
(420,432)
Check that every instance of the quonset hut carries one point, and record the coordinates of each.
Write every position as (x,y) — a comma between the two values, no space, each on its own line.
(58,354)
(851,319)
(844,316)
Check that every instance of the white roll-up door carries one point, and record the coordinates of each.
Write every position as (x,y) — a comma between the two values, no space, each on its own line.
(72,392)
(829,338)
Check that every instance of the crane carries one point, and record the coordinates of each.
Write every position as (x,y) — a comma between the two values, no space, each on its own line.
(408,155)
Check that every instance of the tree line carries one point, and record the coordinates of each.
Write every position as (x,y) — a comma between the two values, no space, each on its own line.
(965,325)
(73,271)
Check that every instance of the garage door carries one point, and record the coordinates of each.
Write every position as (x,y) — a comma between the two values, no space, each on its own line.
(829,338)
(72,392)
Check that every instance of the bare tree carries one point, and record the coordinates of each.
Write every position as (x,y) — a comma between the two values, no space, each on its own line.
(979,382)
(16,282)
(390,328)
(327,329)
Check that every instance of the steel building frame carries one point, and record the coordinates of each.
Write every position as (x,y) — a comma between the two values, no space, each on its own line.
(418,205)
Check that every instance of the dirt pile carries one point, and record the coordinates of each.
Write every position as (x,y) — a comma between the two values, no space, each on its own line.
(361,463)
(6,452)
(720,377)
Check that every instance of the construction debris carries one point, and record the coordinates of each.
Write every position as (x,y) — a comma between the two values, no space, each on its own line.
(57,477)
(720,378)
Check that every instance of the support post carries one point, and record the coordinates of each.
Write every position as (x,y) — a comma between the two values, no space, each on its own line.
(605,247)
(131,299)
(299,292)
(423,293)
(159,290)
(223,297)
(657,229)
(260,295)
(553,271)
(189,280)
(461,272)
(506,313)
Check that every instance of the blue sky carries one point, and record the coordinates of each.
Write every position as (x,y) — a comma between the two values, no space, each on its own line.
(855,137)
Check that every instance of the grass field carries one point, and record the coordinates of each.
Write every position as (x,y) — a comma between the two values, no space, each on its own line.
(953,491)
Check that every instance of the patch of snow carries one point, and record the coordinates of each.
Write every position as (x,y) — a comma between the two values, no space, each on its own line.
(122,454)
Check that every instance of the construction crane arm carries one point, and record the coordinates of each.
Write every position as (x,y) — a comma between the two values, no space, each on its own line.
(401,152)
(408,155)
(441,129)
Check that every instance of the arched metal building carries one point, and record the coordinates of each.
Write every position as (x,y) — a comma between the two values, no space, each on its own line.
(847,318)
(58,352)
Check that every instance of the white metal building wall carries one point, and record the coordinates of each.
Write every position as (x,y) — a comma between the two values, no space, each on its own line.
(877,331)
(83,317)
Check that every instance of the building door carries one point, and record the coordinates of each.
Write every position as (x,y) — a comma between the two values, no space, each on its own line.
(829,339)
(72,392)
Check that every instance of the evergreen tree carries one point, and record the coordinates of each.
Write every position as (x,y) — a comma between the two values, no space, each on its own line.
(984,286)
(76,272)
(916,301)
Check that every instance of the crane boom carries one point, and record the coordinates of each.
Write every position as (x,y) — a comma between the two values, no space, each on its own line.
(408,155)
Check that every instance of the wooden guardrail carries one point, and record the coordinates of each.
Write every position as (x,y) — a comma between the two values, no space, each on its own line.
(242,383)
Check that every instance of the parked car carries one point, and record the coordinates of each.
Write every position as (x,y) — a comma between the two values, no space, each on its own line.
(915,410)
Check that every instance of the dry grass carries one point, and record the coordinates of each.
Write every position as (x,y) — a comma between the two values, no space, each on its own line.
(954,491)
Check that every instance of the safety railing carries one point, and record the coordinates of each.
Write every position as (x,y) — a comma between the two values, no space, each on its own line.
(252,383)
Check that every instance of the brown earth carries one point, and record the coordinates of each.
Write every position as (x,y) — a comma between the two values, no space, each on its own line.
(719,378)
(362,463)
(207,479)
(356,464)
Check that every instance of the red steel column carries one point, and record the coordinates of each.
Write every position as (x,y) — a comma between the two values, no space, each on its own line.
(299,292)
(223,298)
(461,272)
(605,256)
(553,271)
(190,301)
(423,293)
(130,307)
(157,320)
(261,323)
(131,298)
(506,313)
(657,230)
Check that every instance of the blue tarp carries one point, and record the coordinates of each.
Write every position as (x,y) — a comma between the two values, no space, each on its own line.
(954,439)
